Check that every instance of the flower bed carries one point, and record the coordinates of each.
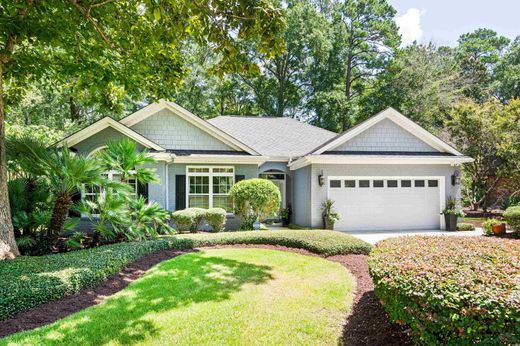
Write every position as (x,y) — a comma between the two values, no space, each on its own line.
(451,290)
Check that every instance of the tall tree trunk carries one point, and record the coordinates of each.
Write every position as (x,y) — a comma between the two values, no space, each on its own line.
(6,224)
(345,121)
(60,212)
(74,109)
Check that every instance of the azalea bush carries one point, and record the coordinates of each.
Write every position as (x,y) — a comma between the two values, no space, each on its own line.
(451,290)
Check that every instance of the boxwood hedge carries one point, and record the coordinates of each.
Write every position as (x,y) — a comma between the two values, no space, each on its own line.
(451,290)
(27,282)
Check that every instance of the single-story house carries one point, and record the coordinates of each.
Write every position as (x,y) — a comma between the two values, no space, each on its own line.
(387,173)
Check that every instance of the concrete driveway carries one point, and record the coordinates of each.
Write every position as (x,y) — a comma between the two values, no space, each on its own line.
(373,237)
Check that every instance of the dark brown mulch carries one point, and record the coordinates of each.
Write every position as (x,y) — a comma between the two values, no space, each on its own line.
(367,324)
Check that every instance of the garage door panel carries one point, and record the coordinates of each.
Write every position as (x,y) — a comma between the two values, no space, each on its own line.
(387,208)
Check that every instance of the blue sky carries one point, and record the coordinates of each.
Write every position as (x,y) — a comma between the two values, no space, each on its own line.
(443,21)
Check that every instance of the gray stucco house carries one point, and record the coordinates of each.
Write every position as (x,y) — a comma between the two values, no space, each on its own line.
(387,173)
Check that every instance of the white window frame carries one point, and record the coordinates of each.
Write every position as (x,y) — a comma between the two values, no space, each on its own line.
(441,186)
(209,174)
(110,176)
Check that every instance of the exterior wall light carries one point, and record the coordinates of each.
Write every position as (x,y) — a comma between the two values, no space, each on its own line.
(455,178)
(321,179)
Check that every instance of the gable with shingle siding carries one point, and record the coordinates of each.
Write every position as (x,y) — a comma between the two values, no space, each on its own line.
(385,136)
(172,132)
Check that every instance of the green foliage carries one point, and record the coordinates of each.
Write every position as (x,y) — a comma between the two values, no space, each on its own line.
(255,197)
(183,220)
(198,216)
(487,226)
(451,208)
(450,290)
(216,218)
(463,227)
(75,241)
(512,216)
(421,81)
(328,212)
(123,158)
(148,220)
(485,132)
(36,280)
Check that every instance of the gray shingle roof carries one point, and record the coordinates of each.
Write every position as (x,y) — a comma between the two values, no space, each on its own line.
(272,136)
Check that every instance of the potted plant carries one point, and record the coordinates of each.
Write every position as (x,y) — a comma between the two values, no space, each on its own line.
(330,216)
(285,214)
(451,214)
(494,227)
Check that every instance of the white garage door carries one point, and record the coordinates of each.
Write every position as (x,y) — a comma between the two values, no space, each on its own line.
(387,203)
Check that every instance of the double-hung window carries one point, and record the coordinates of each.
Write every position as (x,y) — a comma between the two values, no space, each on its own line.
(208,187)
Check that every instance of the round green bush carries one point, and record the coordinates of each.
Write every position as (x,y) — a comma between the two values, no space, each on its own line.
(512,217)
(183,220)
(451,290)
(216,218)
(255,197)
(463,226)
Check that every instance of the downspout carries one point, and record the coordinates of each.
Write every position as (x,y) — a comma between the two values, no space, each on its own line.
(167,178)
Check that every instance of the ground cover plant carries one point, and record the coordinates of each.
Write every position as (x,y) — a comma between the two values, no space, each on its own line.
(218,296)
(451,290)
(36,280)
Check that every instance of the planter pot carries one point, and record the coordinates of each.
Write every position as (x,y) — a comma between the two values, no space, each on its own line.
(328,225)
(451,222)
(285,222)
(499,229)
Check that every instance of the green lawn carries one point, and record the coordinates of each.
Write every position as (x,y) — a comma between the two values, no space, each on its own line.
(218,296)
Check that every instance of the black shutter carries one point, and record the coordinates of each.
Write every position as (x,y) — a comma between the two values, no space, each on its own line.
(239,178)
(142,190)
(180,192)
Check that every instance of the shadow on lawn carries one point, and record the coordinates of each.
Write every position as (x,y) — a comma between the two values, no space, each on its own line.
(188,279)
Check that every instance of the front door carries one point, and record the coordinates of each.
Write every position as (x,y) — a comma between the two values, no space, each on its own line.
(279,180)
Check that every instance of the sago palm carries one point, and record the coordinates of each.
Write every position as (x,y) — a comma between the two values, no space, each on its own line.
(66,173)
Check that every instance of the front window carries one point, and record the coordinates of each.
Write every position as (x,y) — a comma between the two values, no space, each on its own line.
(208,187)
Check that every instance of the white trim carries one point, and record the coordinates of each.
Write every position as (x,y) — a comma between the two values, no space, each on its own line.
(98,149)
(400,120)
(210,176)
(220,159)
(441,178)
(379,160)
(103,124)
(202,124)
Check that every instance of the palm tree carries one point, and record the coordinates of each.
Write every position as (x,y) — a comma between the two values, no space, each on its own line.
(124,158)
(66,173)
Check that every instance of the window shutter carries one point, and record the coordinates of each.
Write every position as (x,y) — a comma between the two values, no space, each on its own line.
(180,192)
(142,190)
(239,178)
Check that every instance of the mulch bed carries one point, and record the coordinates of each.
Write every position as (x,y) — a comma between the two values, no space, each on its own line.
(366,325)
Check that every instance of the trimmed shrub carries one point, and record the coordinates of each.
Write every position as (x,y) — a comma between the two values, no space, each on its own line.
(451,290)
(36,280)
(216,218)
(463,226)
(258,198)
(198,215)
(183,220)
(512,217)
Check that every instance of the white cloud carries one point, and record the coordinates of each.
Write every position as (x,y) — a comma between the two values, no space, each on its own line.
(410,26)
